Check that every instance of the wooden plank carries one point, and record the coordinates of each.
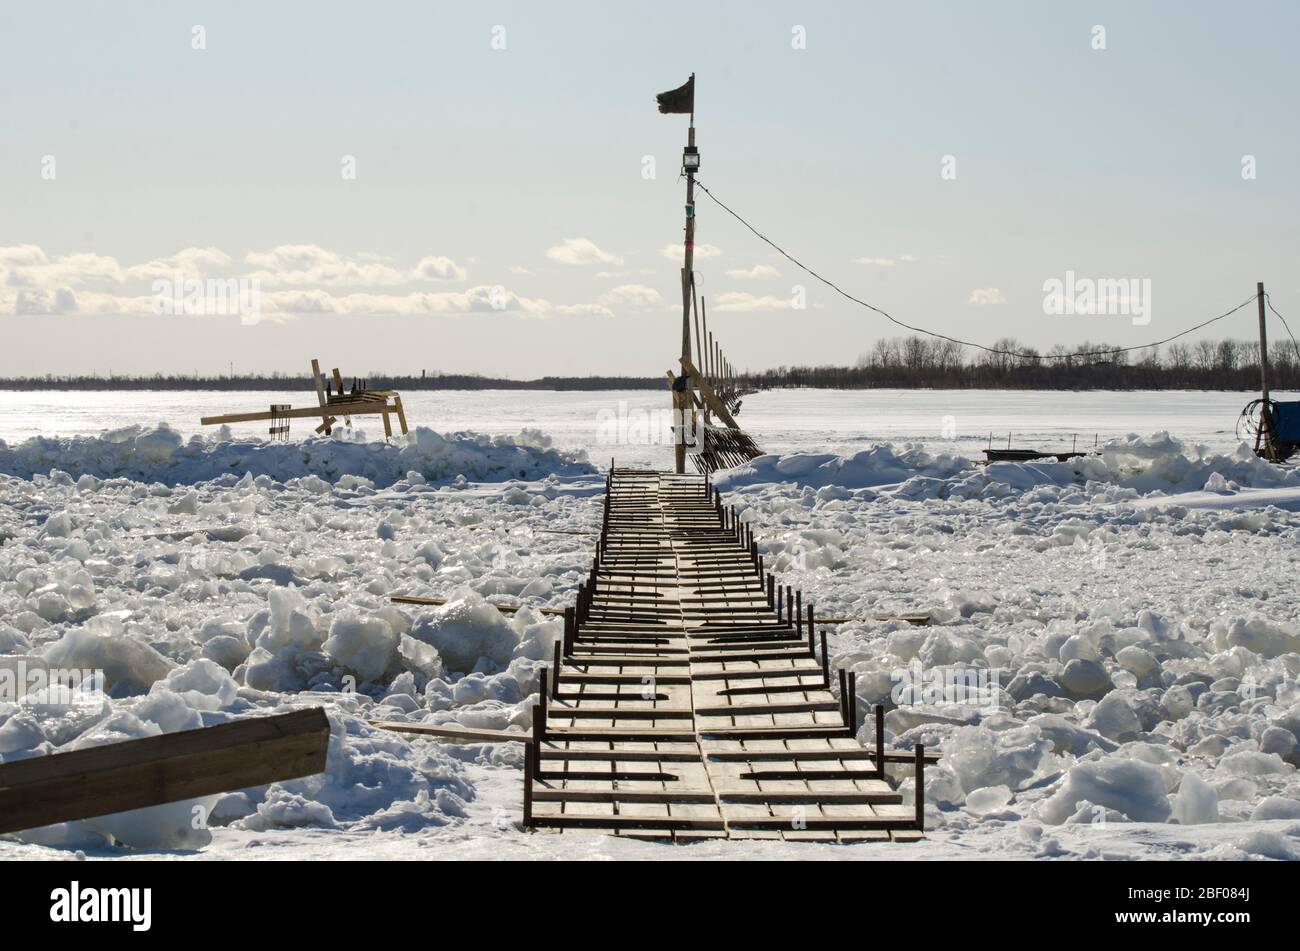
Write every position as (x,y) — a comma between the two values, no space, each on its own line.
(452,732)
(355,408)
(338,389)
(328,420)
(503,608)
(134,774)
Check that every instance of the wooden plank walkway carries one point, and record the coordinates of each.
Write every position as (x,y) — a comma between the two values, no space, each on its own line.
(690,700)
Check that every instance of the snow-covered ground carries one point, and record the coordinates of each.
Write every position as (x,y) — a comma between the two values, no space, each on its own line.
(1117,635)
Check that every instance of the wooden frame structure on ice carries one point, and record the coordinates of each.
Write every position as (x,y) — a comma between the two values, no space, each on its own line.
(331,404)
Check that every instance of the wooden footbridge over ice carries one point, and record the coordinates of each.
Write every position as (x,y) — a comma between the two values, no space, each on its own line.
(690,697)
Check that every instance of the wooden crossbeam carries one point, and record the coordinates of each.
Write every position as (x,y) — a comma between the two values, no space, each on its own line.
(357,408)
(709,396)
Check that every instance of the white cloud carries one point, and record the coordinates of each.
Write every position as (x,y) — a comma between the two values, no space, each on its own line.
(986,296)
(581,251)
(885,262)
(438,269)
(631,297)
(22,255)
(60,301)
(84,282)
(759,272)
(311,264)
(674,252)
(474,300)
(744,301)
(26,266)
(583,310)
(296,280)
(192,262)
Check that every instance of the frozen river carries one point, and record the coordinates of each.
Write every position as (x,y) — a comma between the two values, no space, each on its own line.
(632,426)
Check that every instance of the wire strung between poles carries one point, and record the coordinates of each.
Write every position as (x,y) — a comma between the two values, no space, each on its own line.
(1268,300)
(1109,351)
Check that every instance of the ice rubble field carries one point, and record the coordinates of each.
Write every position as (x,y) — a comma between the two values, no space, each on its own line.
(1128,620)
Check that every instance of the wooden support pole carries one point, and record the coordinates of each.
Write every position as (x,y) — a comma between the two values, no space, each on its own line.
(555,664)
(842,677)
(798,611)
(880,739)
(1263,341)
(530,757)
(338,388)
(812,645)
(920,787)
(172,767)
(539,735)
(328,422)
(1264,435)
(826,662)
(853,701)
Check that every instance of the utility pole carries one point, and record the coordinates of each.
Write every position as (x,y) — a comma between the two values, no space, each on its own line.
(682,101)
(1264,433)
(688,282)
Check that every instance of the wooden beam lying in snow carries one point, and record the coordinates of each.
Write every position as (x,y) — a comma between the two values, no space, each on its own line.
(453,733)
(503,608)
(909,618)
(134,774)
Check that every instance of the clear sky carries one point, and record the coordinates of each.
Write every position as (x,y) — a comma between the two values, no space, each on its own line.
(503,146)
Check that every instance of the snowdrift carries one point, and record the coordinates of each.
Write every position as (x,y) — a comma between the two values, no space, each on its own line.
(162,455)
(1143,465)
(880,465)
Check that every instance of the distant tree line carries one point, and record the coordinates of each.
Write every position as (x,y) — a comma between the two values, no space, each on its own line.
(302,381)
(893,363)
(915,361)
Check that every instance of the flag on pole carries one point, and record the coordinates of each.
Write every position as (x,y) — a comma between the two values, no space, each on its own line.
(681,99)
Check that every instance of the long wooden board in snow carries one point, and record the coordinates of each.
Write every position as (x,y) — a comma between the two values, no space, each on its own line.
(133,774)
